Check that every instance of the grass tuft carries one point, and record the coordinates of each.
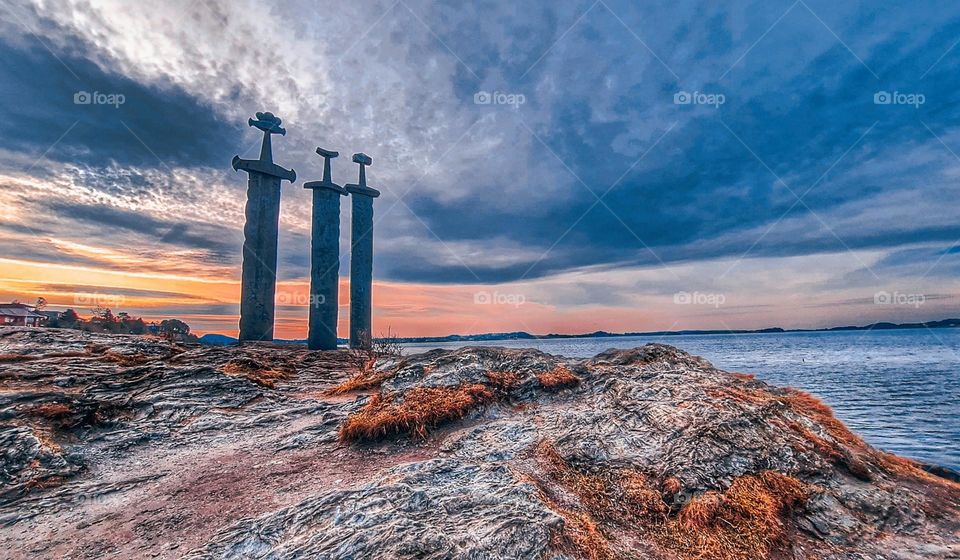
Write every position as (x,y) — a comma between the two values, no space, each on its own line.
(419,409)
(254,371)
(701,511)
(617,496)
(126,360)
(748,520)
(745,521)
(503,380)
(366,379)
(558,378)
(51,410)
(672,486)
(807,405)
(849,450)
(581,535)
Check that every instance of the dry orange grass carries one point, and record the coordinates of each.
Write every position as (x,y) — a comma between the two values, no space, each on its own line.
(616,496)
(420,408)
(44,435)
(807,405)
(361,382)
(853,460)
(581,536)
(943,494)
(745,521)
(700,511)
(748,520)
(503,380)
(671,485)
(51,410)
(127,360)
(557,378)
(846,450)
(748,395)
(254,371)
(849,450)
(43,483)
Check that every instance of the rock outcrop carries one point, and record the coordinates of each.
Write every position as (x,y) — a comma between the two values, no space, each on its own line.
(132,447)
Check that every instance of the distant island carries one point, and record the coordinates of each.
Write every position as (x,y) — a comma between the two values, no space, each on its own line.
(222,340)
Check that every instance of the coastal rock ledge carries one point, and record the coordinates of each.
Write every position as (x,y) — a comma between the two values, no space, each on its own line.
(133,447)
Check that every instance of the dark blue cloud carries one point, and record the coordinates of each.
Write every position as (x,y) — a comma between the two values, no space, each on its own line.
(154,127)
(793,119)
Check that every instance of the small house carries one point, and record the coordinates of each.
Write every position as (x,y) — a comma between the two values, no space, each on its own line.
(19,315)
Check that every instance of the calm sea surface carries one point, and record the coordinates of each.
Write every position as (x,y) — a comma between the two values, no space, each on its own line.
(899,389)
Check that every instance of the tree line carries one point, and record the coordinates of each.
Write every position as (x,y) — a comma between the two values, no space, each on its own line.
(103,319)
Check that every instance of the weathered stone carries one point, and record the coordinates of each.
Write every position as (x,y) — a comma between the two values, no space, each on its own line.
(258,284)
(361,257)
(324,258)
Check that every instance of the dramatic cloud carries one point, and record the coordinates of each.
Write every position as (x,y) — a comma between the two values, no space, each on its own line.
(592,150)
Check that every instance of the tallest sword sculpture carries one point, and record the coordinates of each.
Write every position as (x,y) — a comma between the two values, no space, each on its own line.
(260,233)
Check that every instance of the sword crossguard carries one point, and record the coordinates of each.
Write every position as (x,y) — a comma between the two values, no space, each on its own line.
(269,124)
(327,181)
(361,188)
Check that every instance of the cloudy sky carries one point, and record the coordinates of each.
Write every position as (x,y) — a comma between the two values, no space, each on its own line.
(562,166)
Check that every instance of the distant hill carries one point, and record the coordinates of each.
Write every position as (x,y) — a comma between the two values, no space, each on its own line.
(944,324)
(222,340)
(520,335)
(213,339)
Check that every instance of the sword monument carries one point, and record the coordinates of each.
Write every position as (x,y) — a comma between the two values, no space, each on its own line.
(260,233)
(324,258)
(361,257)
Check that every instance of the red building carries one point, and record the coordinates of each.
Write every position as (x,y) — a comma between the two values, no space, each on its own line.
(19,315)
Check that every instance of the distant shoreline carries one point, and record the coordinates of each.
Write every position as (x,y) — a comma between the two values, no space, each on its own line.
(219,339)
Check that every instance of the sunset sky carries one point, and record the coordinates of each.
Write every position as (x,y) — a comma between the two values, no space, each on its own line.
(636,165)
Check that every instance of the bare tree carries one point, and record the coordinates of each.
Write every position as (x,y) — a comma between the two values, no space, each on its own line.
(387,345)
